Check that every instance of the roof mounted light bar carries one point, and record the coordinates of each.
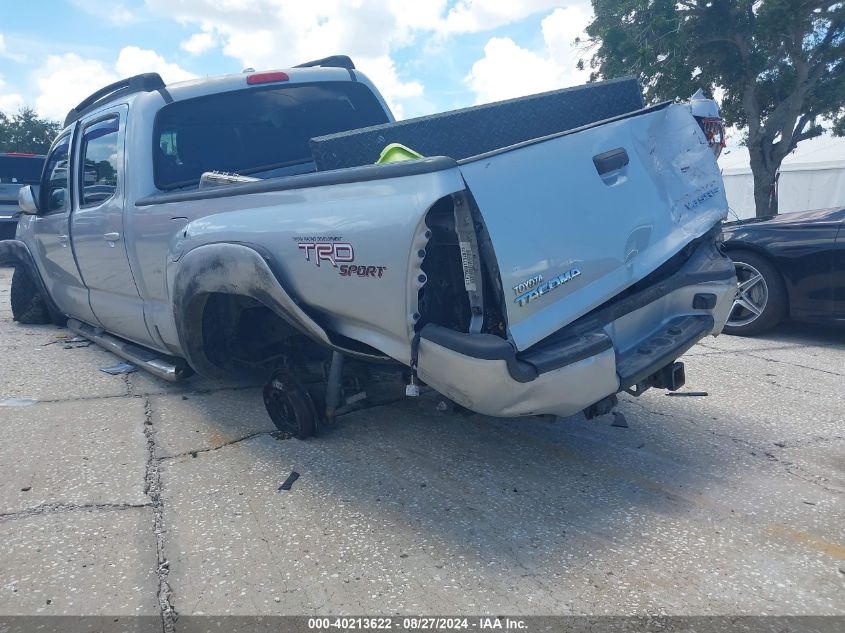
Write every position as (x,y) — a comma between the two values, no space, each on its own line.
(334,61)
(147,82)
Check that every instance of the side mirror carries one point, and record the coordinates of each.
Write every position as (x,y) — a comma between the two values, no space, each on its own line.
(27,200)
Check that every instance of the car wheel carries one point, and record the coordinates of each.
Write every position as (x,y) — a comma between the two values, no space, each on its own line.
(760,302)
(28,304)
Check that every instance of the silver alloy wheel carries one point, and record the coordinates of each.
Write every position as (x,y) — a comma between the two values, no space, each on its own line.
(752,295)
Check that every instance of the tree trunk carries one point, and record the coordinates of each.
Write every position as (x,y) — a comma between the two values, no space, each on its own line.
(765,198)
(765,175)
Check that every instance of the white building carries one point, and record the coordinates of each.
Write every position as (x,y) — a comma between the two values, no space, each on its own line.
(811,177)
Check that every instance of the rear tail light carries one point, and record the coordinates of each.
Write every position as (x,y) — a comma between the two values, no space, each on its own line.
(714,130)
(266,78)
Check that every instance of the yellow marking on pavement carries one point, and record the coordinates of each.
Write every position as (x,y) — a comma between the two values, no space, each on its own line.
(832,549)
(776,529)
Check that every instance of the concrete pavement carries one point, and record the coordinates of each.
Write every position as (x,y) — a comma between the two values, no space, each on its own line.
(125,495)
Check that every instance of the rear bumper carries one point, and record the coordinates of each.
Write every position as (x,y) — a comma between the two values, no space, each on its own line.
(619,345)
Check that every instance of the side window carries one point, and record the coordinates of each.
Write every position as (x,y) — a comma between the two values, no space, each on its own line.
(100,162)
(54,191)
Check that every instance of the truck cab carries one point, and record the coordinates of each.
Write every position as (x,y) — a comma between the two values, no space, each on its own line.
(102,261)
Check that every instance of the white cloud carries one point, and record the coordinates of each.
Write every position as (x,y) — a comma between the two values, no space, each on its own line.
(266,34)
(199,43)
(65,80)
(508,70)
(121,15)
(472,16)
(10,101)
(426,15)
(134,61)
(115,12)
(382,72)
(5,52)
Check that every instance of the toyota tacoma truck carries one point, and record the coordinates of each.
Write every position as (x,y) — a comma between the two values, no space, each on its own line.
(541,254)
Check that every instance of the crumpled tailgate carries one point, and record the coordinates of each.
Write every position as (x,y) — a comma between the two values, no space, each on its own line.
(576,218)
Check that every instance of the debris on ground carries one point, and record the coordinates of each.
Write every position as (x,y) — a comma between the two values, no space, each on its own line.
(17,402)
(619,420)
(289,481)
(60,338)
(120,368)
(687,393)
(73,343)
(780,444)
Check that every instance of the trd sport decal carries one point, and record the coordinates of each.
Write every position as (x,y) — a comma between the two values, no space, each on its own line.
(362,271)
(337,254)
(331,252)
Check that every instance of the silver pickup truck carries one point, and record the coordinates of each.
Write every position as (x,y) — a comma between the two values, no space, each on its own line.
(545,254)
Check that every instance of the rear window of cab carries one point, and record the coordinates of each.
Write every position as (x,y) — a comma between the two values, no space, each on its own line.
(263,131)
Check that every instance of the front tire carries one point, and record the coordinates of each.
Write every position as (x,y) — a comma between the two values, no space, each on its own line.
(761,301)
(28,303)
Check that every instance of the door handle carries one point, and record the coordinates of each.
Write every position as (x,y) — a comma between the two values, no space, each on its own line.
(111,237)
(609,161)
(62,240)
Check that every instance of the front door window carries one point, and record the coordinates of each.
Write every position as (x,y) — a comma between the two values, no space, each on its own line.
(54,191)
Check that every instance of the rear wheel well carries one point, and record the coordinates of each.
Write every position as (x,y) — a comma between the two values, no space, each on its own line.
(241,333)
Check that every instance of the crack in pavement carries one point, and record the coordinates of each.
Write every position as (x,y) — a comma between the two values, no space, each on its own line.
(275,434)
(278,435)
(816,480)
(771,360)
(132,394)
(789,467)
(152,488)
(56,508)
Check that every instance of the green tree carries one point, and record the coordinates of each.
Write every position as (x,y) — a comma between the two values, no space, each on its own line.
(778,64)
(26,132)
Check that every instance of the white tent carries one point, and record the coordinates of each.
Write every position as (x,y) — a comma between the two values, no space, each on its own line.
(811,177)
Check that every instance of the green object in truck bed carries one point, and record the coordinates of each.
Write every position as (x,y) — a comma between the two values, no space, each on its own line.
(396,152)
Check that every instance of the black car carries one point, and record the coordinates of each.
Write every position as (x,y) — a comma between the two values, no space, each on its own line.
(788,266)
(16,170)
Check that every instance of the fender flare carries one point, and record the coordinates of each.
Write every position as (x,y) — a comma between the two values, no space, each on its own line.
(235,269)
(16,253)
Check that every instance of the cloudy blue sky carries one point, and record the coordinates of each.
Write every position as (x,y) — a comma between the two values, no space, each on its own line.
(425,55)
